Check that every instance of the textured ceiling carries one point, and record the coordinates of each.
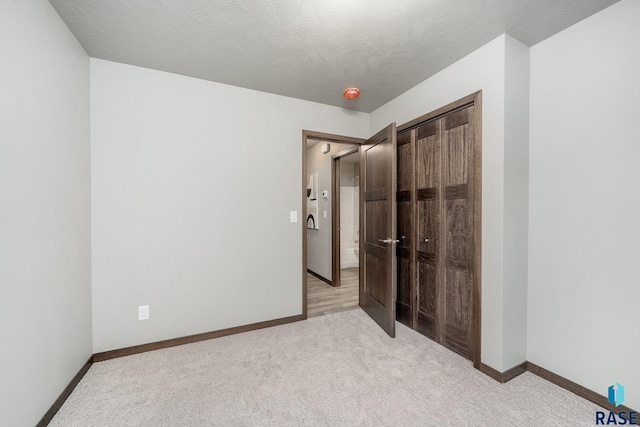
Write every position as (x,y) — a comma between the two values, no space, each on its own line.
(311,49)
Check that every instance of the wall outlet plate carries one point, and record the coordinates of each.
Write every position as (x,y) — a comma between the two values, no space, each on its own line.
(143,312)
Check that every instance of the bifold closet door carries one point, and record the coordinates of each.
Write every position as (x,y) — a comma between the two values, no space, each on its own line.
(457,231)
(429,230)
(405,202)
(435,213)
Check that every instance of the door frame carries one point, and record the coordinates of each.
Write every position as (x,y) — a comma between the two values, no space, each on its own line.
(335,213)
(475,100)
(322,136)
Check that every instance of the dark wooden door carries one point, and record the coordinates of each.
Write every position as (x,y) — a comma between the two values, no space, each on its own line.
(438,223)
(405,255)
(444,242)
(456,229)
(429,234)
(378,228)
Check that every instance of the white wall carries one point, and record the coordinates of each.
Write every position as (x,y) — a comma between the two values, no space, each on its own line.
(516,202)
(45,290)
(484,70)
(209,246)
(176,224)
(585,204)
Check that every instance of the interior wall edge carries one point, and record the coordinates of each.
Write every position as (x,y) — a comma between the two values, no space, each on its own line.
(55,407)
(503,377)
(45,243)
(516,202)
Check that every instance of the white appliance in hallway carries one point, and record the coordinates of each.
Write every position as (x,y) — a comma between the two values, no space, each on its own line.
(349,212)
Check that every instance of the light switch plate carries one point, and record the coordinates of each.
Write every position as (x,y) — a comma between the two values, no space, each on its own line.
(294,216)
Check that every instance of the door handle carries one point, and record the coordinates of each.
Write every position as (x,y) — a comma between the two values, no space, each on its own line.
(389,240)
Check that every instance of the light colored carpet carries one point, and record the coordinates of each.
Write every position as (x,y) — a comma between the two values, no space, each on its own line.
(335,370)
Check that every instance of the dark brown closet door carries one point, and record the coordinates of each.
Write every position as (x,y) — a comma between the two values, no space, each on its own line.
(457,231)
(378,228)
(405,203)
(428,243)
(439,222)
(444,227)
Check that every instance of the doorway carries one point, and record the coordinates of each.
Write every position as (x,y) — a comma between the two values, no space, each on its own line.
(420,207)
(325,289)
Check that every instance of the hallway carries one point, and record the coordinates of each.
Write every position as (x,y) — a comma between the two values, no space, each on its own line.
(325,299)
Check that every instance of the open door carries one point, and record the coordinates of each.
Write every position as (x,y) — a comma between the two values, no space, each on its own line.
(378,228)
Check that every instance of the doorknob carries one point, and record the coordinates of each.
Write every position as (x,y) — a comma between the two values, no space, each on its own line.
(389,240)
(426,240)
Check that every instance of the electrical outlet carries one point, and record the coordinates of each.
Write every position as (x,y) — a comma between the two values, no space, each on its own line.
(143,312)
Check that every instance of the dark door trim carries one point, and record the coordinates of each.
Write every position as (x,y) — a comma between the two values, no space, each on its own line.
(335,221)
(328,137)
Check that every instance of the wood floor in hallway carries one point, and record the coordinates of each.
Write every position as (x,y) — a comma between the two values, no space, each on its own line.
(325,299)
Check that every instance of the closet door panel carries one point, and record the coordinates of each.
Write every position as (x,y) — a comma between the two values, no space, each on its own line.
(428,195)
(405,230)
(404,309)
(405,221)
(428,292)
(458,248)
(428,156)
(456,156)
(457,232)
(427,323)
(403,252)
(457,315)
(429,224)
(405,163)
